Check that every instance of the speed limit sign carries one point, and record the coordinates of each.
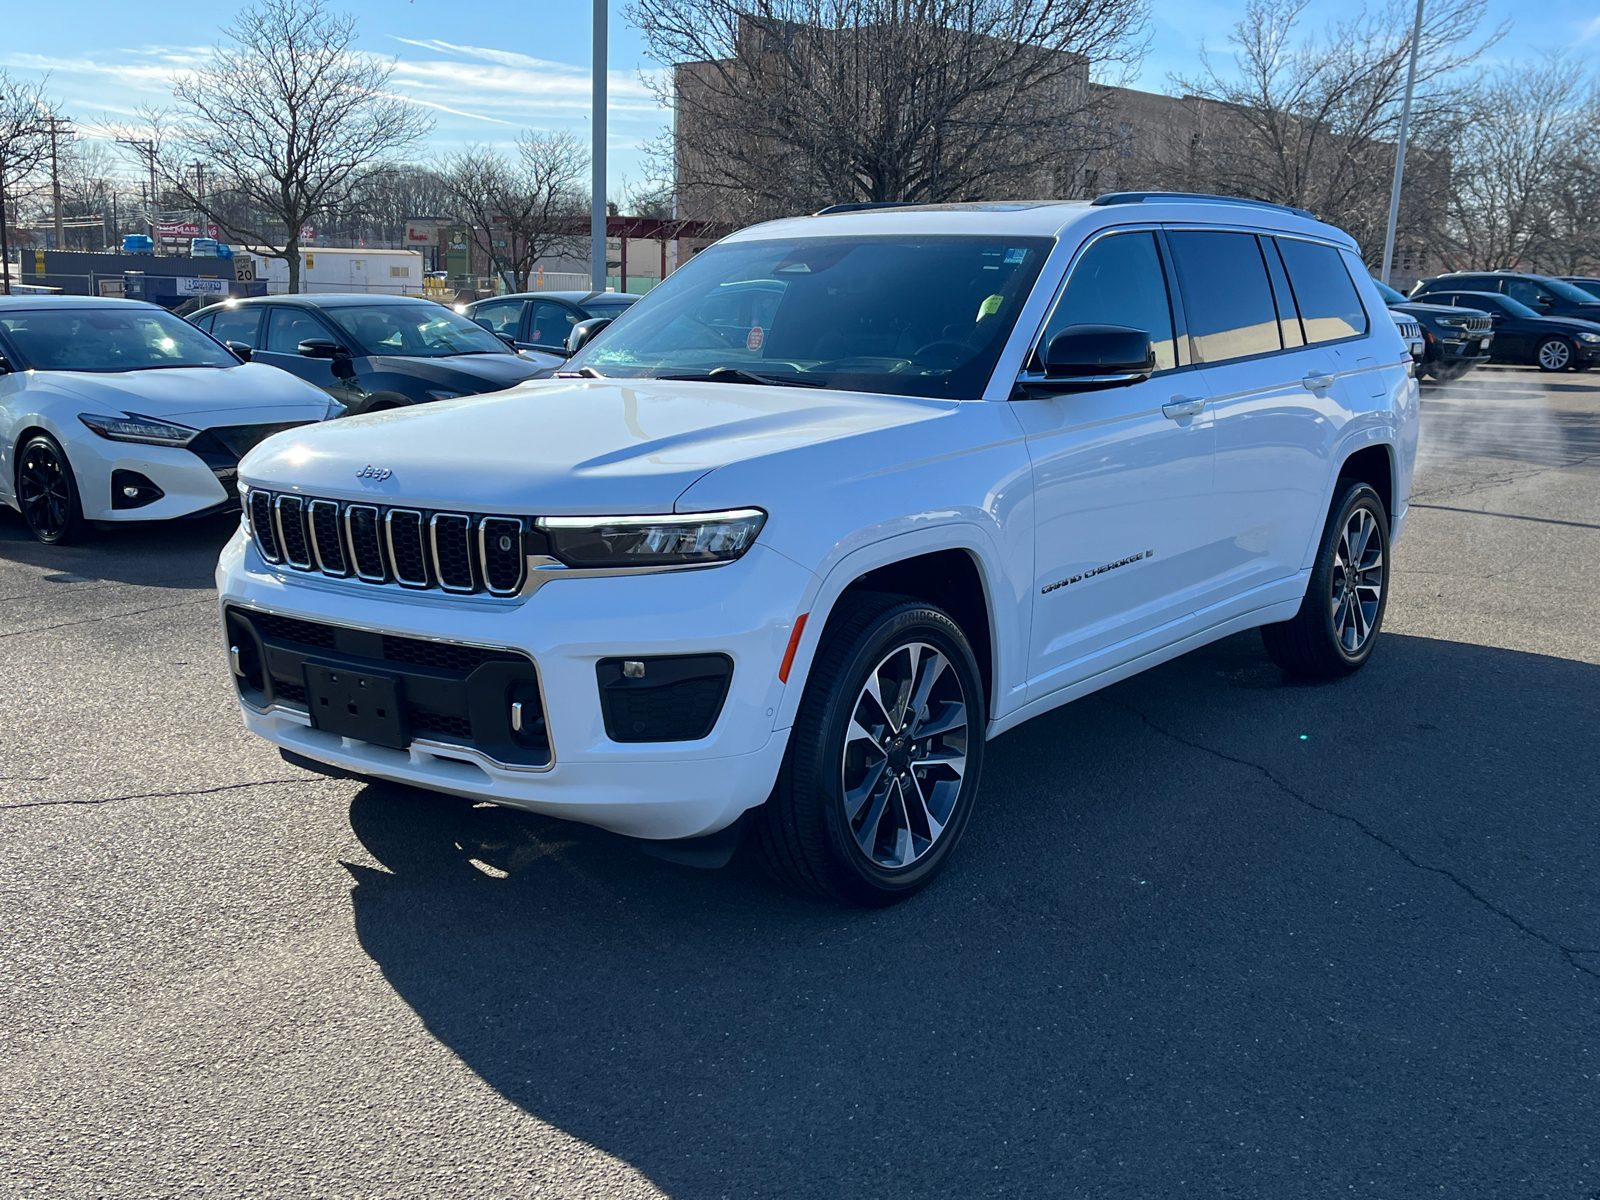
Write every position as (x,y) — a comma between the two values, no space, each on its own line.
(244,269)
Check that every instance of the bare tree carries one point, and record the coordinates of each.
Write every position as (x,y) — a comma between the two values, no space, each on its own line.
(285,121)
(786,105)
(1311,121)
(24,147)
(523,209)
(1528,151)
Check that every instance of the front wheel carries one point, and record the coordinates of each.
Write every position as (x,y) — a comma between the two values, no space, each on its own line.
(48,494)
(884,757)
(1554,354)
(1337,626)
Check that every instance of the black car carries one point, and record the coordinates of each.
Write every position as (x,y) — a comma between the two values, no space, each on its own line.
(370,352)
(1587,283)
(1455,339)
(1524,336)
(1545,294)
(538,322)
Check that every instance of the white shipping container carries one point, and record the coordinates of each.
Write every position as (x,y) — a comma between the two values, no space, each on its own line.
(380,272)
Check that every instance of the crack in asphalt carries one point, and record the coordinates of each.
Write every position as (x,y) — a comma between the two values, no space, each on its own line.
(108,617)
(1478,512)
(94,801)
(1569,953)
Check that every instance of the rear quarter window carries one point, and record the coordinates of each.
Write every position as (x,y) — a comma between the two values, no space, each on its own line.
(1330,306)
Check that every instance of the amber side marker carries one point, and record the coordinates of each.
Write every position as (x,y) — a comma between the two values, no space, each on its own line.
(794,644)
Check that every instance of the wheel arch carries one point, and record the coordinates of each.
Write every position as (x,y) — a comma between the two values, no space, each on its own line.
(1373,464)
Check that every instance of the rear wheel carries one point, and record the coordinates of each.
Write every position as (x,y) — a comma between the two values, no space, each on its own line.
(1337,626)
(1554,354)
(47,493)
(884,757)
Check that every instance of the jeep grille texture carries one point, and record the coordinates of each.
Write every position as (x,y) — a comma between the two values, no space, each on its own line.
(464,553)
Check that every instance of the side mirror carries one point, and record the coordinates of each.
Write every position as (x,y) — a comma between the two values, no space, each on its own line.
(506,338)
(322,348)
(585,332)
(1545,301)
(242,352)
(1085,357)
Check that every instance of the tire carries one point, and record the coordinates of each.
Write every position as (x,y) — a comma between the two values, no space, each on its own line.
(1554,354)
(819,834)
(1337,626)
(47,493)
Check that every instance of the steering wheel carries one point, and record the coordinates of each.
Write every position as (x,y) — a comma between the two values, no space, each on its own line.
(959,349)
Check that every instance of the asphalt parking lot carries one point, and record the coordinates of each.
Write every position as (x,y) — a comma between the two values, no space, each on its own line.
(1210,933)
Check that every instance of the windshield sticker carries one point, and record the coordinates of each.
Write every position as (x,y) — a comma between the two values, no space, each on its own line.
(753,340)
(1016,255)
(990,306)
(1121,562)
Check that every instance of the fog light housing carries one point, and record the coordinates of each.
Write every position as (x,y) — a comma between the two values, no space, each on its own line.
(130,489)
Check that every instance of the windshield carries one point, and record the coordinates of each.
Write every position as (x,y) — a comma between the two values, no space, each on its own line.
(1390,296)
(905,315)
(1569,292)
(415,330)
(109,339)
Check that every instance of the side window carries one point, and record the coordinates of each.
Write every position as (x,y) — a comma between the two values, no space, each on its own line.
(1524,290)
(288,327)
(1288,316)
(550,324)
(1119,281)
(1226,297)
(204,322)
(1330,306)
(500,316)
(238,325)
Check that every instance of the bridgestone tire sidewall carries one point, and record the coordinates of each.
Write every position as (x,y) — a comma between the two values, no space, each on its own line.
(1359,496)
(865,882)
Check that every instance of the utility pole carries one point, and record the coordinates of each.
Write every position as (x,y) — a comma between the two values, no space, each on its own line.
(597,212)
(147,148)
(199,203)
(55,184)
(1400,149)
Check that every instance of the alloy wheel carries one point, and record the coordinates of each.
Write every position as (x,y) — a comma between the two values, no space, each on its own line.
(905,755)
(1555,355)
(44,491)
(1357,581)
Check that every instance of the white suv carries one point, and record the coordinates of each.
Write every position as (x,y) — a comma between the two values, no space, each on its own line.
(844,497)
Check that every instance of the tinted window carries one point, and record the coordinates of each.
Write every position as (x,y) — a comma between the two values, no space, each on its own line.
(1119,281)
(1524,290)
(202,322)
(288,327)
(499,316)
(1226,298)
(551,323)
(237,325)
(1330,307)
(1288,316)
(415,330)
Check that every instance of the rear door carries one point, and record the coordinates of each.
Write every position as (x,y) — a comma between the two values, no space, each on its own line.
(242,324)
(1121,480)
(501,317)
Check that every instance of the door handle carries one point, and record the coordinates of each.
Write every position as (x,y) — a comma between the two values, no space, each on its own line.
(1317,382)
(1180,406)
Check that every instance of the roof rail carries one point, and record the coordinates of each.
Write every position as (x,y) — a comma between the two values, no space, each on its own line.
(863,206)
(1141,197)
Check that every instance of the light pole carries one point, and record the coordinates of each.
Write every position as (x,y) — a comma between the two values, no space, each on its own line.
(597,210)
(1400,149)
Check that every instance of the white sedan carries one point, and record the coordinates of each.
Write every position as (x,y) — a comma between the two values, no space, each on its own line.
(115,411)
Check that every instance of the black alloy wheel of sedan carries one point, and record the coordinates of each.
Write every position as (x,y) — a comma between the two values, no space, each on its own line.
(48,494)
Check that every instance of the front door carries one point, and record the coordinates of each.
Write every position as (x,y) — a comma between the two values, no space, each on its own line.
(288,326)
(1121,481)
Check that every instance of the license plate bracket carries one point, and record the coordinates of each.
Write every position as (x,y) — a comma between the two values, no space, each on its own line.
(355,704)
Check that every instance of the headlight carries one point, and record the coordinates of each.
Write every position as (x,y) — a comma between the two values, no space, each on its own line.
(664,541)
(131,427)
(1591,338)
(1452,322)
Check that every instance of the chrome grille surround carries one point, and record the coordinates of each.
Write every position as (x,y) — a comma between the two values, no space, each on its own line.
(454,552)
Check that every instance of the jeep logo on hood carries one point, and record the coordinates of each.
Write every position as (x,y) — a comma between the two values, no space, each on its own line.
(371,472)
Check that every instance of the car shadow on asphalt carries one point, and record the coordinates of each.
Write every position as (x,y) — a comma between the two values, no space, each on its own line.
(181,553)
(1208,932)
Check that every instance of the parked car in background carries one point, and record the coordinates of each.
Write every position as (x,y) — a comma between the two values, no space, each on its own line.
(537,323)
(1544,294)
(1524,336)
(1412,333)
(117,411)
(1587,283)
(370,353)
(1455,339)
(964,464)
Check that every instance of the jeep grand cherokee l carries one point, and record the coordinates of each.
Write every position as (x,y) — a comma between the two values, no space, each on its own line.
(843,498)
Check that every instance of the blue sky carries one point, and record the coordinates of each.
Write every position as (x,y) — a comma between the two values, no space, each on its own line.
(489,68)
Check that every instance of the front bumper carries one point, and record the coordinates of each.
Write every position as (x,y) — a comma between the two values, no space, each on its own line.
(1478,348)
(188,484)
(644,789)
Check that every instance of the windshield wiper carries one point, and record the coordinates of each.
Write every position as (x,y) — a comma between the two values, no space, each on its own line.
(740,375)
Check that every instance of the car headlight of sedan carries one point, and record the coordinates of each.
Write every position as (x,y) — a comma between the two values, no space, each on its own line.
(1591,338)
(689,539)
(131,427)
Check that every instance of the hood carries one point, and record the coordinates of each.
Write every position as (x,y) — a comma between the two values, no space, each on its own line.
(253,393)
(477,372)
(1419,309)
(566,446)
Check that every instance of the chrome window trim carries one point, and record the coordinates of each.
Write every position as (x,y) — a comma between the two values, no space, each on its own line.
(316,547)
(433,547)
(522,557)
(349,537)
(283,543)
(394,562)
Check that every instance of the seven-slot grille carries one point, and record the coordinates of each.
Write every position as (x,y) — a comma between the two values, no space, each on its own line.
(1478,325)
(454,552)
